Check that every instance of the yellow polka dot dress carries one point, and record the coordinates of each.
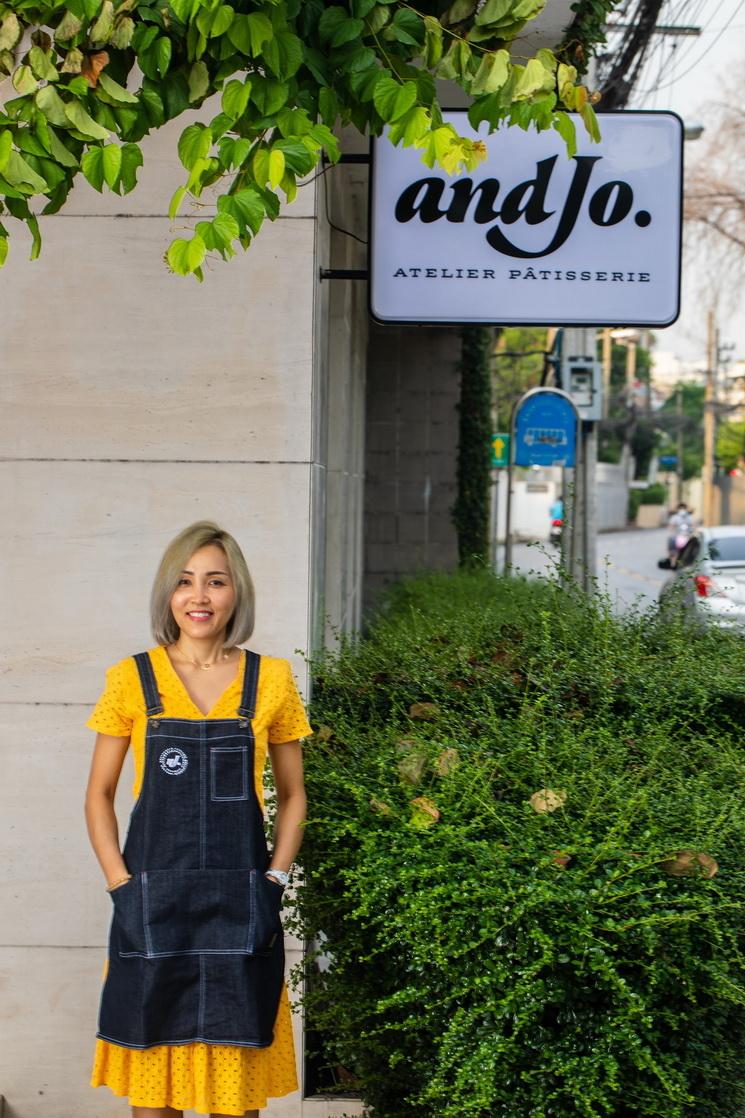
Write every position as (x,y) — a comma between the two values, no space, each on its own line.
(202,1077)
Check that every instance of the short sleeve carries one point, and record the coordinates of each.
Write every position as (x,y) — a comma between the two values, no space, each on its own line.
(112,713)
(289,721)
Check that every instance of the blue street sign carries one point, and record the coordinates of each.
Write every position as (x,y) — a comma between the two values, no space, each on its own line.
(668,461)
(546,430)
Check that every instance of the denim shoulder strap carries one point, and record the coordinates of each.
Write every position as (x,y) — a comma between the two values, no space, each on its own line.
(153,704)
(250,681)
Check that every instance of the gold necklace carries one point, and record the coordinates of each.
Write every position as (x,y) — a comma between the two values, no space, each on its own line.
(208,664)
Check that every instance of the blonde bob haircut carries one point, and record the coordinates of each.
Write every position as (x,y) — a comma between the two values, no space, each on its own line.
(174,561)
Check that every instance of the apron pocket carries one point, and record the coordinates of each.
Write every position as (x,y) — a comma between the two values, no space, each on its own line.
(127,901)
(268,902)
(229,772)
(214,911)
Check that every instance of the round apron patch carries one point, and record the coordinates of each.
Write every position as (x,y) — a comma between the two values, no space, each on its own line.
(173,761)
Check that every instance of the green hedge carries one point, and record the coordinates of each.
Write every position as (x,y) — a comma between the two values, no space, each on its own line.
(490,957)
(653,495)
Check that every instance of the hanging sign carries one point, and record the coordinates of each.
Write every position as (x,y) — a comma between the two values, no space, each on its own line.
(532,236)
(545,426)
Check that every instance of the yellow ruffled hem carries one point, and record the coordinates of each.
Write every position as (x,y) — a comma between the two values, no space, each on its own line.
(206,1078)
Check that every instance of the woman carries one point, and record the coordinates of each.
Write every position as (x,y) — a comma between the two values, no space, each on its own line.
(194,1013)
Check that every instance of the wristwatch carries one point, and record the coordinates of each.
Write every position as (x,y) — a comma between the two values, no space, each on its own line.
(280,876)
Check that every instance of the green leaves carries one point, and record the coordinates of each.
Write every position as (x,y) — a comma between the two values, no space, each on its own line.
(286,72)
(219,234)
(21,175)
(6,146)
(199,81)
(564,125)
(235,98)
(570,941)
(336,28)
(103,28)
(283,54)
(533,78)
(412,128)
(195,143)
(23,80)
(492,73)
(155,59)
(213,22)
(392,98)
(83,122)
(249,33)
(10,30)
(182,9)
(41,65)
(407,27)
(114,165)
(184,257)
(269,166)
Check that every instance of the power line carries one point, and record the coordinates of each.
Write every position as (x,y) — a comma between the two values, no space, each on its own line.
(712,44)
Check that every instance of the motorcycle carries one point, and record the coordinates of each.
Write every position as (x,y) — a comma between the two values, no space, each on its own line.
(670,562)
(555,531)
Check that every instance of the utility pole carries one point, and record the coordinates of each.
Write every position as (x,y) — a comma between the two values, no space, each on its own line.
(679,436)
(580,543)
(607,364)
(630,370)
(707,474)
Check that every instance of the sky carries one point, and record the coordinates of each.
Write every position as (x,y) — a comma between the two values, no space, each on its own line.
(681,74)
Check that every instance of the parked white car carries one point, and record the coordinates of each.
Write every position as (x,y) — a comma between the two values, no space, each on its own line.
(709,579)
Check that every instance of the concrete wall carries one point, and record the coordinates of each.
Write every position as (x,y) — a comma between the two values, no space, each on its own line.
(729,501)
(412,436)
(133,402)
(613,496)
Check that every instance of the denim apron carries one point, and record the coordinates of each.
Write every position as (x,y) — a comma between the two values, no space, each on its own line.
(196,950)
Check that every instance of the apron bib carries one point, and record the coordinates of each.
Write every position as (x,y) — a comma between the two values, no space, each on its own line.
(196,950)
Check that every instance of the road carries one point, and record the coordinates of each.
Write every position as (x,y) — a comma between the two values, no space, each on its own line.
(626,565)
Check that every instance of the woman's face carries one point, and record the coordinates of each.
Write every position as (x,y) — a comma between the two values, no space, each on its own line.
(203,602)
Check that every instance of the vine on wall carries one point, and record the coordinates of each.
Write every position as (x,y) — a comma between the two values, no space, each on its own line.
(585,33)
(471,509)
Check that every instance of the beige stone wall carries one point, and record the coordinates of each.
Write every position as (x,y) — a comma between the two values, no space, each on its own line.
(133,402)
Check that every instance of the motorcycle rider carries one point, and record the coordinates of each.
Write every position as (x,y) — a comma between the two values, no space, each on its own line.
(679,528)
(556,520)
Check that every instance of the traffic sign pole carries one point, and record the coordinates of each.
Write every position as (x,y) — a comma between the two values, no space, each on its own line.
(580,534)
(500,459)
(545,431)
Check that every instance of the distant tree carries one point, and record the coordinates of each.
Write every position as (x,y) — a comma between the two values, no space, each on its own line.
(629,421)
(667,421)
(715,187)
(517,365)
(731,445)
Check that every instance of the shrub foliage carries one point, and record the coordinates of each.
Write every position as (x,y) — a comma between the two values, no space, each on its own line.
(526,857)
